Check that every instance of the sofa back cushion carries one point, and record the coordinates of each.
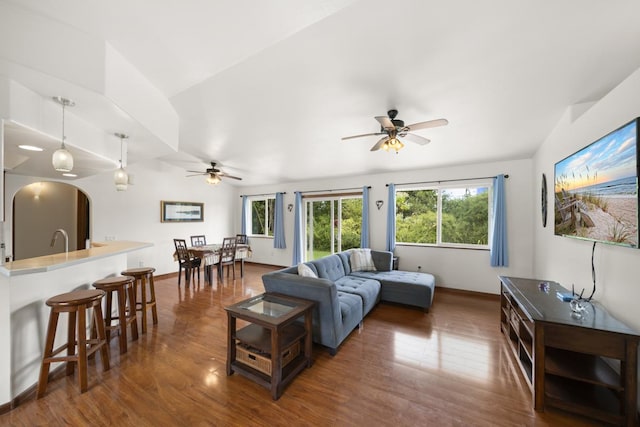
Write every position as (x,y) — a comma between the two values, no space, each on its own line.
(330,267)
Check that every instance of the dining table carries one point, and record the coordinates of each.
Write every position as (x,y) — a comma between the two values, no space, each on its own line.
(210,256)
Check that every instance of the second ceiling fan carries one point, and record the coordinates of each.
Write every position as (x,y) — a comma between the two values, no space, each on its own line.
(393,129)
(215,174)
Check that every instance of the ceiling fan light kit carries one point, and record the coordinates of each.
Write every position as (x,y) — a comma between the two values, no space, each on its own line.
(393,129)
(62,159)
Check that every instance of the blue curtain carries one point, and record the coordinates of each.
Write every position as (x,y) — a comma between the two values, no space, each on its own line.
(245,213)
(391,218)
(499,253)
(364,232)
(298,231)
(278,226)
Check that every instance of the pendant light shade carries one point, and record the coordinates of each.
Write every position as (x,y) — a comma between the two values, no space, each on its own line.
(62,159)
(120,176)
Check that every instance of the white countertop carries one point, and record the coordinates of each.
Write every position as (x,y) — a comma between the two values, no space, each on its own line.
(61,260)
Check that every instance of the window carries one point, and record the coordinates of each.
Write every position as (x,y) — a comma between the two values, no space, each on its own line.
(448,216)
(262,211)
(333,224)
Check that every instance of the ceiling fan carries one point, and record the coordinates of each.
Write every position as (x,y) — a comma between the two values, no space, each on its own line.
(215,174)
(393,129)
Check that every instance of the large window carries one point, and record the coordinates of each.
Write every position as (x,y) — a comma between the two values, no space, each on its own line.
(448,216)
(333,224)
(262,211)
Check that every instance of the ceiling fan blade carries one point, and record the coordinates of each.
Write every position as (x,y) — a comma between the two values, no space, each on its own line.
(416,138)
(229,176)
(363,135)
(385,122)
(196,174)
(428,124)
(379,143)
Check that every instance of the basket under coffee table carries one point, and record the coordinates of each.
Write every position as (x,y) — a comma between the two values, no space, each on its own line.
(274,347)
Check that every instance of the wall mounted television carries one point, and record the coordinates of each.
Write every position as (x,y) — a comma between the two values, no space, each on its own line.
(596,190)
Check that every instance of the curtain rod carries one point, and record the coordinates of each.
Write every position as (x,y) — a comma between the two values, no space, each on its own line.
(335,189)
(264,194)
(448,180)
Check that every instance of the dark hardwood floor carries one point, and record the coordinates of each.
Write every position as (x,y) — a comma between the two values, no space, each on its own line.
(450,367)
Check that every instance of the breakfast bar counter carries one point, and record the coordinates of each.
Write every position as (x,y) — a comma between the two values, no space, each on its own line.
(25,285)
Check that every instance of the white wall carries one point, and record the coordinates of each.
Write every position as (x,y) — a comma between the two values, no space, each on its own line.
(135,214)
(454,268)
(568,261)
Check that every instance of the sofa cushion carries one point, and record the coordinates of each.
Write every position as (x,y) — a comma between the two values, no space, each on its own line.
(305,271)
(329,267)
(367,289)
(404,287)
(361,260)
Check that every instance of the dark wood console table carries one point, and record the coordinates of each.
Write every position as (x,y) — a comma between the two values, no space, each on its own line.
(562,355)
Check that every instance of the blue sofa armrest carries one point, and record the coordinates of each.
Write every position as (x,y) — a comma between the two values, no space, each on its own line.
(328,327)
(383,260)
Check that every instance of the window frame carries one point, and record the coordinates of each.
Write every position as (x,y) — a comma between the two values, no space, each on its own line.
(267,225)
(336,214)
(439,187)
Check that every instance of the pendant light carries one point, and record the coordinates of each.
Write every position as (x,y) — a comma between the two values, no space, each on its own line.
(62,159)
(120,176)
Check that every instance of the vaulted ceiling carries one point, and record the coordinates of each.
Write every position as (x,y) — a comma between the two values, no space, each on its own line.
(268,88)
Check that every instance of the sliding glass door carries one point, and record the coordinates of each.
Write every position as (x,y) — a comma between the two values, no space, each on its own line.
(333,224)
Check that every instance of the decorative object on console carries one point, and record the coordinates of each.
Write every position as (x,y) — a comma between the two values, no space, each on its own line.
(62,159)
(393,128)
(595,189)
(120,176)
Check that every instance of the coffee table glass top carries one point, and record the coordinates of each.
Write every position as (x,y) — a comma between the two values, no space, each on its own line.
(268,305)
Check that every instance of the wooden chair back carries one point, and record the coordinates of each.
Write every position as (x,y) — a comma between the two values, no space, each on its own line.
(228,250)
(199,240)
(241,239)
(181,250)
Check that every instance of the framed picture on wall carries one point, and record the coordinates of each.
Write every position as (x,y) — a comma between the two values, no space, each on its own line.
(181,211)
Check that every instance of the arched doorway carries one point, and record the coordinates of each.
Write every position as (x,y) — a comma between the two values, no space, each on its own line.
(41,208)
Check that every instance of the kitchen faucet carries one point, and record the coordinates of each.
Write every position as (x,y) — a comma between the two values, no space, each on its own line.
(66,239)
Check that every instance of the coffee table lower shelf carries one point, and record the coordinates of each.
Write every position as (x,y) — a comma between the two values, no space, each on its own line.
(289,372)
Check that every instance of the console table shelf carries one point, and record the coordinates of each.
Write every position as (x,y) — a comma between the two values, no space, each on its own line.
(562,356)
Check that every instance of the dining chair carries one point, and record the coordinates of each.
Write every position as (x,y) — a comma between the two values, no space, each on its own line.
(227,256)
(198,240)
(187,261)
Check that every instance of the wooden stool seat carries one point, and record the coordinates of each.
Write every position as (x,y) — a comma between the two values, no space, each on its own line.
(76,304)
(123,287)
(144,276)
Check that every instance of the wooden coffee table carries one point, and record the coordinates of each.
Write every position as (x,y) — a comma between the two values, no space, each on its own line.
(274,347)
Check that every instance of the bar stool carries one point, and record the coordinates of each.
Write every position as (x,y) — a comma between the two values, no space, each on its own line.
(77,304)
(143,276)
(123,287)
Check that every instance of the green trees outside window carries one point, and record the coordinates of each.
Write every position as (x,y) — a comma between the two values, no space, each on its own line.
(333,225)
(458,216)
(262,212)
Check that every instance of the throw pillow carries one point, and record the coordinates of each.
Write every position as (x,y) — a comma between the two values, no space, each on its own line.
(305,271)
(361,260)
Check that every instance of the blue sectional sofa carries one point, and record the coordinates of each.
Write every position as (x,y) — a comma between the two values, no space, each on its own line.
(344,295)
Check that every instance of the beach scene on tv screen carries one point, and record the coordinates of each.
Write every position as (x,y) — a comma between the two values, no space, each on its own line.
(596,192)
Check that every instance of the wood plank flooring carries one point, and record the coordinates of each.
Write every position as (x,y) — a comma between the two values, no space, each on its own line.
(450,367)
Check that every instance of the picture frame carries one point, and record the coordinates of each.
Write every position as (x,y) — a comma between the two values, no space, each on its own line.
(171,211)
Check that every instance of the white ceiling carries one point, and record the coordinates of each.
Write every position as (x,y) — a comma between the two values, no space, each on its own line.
(268,88)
